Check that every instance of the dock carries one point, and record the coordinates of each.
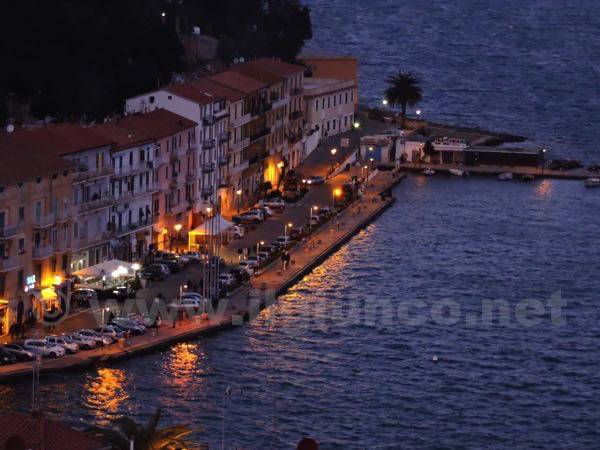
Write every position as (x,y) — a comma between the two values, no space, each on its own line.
(537,172)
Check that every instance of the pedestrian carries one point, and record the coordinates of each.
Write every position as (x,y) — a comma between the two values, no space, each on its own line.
(337,224)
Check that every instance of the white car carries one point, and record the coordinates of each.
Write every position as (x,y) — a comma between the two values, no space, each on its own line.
(41,347)
(238,232)
(187,304)
(226,279)
(192,257)
(70,347)
(95,336)
(284,240)
(275,203)
(246,267)
(84,343)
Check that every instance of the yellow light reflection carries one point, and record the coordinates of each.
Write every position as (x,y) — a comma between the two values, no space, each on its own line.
(544,188)
(106,392)
(182,364)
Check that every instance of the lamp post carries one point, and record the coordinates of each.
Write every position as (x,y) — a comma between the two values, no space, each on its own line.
(310,211)
(103,318)
(238,195)
(333,151)
(285,227)
(336,193)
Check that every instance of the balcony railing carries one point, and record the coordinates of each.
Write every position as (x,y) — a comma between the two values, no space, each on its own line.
(296,115)
(11,231)
(44,221)
(297,91)
(93,205)
(223,160)
(281,102)
(9,263)
(42,252)
(208,167)
(224,183)
(208,121)
(221,114)
(62,246)
(207,190)
(84,173)
(242,120)
(261,134)
(208,144)
(224,137)
(240,145)
(190,176)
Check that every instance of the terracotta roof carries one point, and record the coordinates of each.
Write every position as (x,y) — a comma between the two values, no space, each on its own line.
(140,129)
(257,72)
(24,156)
(218,90)
(277,66)
(189,92)
(38,433)
(237,81)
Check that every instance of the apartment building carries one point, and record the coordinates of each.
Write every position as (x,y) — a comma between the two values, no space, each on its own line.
(211,114)
(329,105)
(35,195)
(153,182)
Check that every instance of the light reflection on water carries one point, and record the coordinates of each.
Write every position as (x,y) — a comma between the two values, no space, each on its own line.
(105,393)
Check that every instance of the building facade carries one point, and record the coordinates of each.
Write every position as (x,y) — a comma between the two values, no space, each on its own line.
(329,105)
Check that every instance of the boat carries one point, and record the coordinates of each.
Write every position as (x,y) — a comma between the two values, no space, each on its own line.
(428,172)
(527,177)
(458,172)
(592,182)
(506,176)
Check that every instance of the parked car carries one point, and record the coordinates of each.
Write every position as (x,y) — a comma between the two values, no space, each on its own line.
(226,279)
(269,248)
(264,210)
(146,320)
(252,260)
(7,357)
(40,347)
(129,325)
(83,297)
(192,257)
(249,269)
(284,240)
(263,255)
(238,232)
(84,343)
(114,333)
(162,256)
(315,180)
(94,336)
(248,217)
(155,272)
(21,353)
(325,211)
(187,304)
(275,203)
(296,233)
(192,295)
(173,265)
(70,347)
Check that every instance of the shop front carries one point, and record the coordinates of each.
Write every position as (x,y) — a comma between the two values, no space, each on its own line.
(4,317)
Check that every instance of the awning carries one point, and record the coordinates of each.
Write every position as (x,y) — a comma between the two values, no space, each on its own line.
(114,268)
(213,226)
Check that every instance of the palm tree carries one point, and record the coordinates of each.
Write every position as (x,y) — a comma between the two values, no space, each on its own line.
(405,90)
(147,437)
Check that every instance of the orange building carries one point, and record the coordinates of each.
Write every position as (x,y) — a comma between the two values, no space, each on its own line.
(339,67)
(35,218)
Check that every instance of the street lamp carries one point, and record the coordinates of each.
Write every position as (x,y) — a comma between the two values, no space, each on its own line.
(208,210)
(418,112)
(258,244)
(178,227)
(336,193)
(333,151)
(384,102)
(103,311)
(285,227)
(312,208)
(238,193)
(356,125)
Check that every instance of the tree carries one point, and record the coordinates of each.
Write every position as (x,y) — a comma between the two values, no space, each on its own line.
(404,90)
(147,437)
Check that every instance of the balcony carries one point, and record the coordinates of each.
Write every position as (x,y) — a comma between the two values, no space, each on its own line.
(223,160)
(224,183)
(262,108)
(208,168)
(208,144)
(296,115)
(42,252)
(297,91)
(208,121)
(9,263)
(85,174)
(8,232)
(240,145)
(146,190)
(96,204)
(64,215)
(224,137)
(261,134)
(240,121)
(207,191)
(221,114)
(281,102)
(190,177)
(62,246)
(44,221)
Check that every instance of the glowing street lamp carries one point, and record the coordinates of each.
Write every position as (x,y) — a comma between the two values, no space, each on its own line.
(285,228)
(238,194)
(356,125)
(208,210)
(333,151)
(258,244)
(337,192)
(178,227)
(310,212)
(384,102)
(418,112)
(280,165)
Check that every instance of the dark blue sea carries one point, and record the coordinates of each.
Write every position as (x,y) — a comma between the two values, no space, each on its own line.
(466,316)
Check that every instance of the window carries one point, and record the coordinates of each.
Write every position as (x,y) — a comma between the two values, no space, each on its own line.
(21,213)
(142,155)
(20,279)
(317,105)
(21,246)
(346,120)
(346,98)
(131,158)
(329,102)
(152,99)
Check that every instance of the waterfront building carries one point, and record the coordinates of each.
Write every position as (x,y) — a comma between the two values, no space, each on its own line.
(338,67)
(478,155)
(152,180)
(381,148)
(329,105)
(211,114)
(35,220)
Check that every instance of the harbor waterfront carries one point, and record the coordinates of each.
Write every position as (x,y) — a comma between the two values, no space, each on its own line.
(307,367)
